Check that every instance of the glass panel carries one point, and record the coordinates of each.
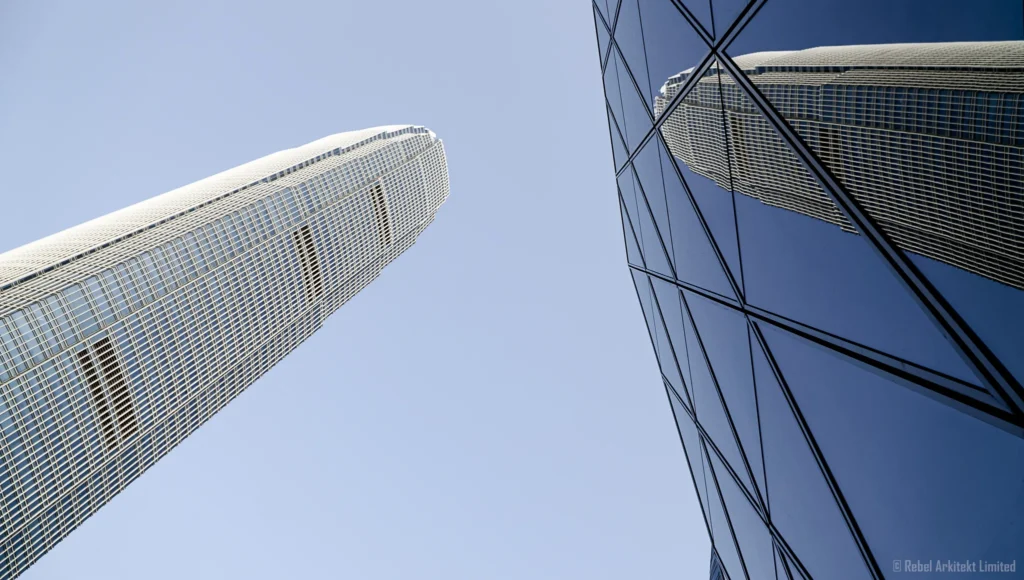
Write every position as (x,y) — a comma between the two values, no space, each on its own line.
(8,332)
(726,12)
(602,37)
(691,447)
(890,448)
(643,291)
(99,300)
(114,290)
(164,268)
(630,39)
(828,24)
(695,137)
(672,47)
(633,255)
(152,274)
(722,532)
(666,353)
(801,258)
(619,155)
(701,11)
(133,294)
(752,535)
(50,340)
(174,260)
(60,320)
(986,305)
(141,281)
(650,240)
(647,165)
(693,255)
(29,342)
(710,413)
(725,336)
(800,502)
(667,296)
(635,113)
(80,310)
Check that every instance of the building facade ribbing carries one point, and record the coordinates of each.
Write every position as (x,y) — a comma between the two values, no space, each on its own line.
(121,336)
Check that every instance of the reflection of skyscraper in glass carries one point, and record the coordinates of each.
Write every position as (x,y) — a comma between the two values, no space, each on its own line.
(928,138)
(121,336)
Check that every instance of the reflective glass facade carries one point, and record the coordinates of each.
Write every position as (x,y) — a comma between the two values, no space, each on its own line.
(121,336)
(822,208)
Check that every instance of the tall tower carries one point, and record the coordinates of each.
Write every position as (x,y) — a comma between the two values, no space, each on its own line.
(120,336)
(826,245)
(929,138)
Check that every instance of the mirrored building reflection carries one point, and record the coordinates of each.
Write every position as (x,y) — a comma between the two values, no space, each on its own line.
(928,138)
(822,208)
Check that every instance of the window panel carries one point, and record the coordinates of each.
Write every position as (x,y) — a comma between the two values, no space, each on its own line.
(99,300)
(890,448)
(800,502)
(80,310)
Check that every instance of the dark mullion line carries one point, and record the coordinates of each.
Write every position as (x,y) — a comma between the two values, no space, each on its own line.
(691,82)
(949,391)
(732,185)
(694,23)
(669,392)
(738,24)
(825,471)
(627,223)
(742,19)
(613,129)
(711,13)
(707,442)
(602,54)
(757,417)
(654,222)
(684,305)
(971,348)
(728,520)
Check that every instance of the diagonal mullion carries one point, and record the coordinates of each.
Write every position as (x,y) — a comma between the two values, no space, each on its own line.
(600,21)
(975,353)
(819,458)
(944,389)
(670,393)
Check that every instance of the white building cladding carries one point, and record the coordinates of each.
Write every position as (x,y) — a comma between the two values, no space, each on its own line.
(121,336)
(929,138)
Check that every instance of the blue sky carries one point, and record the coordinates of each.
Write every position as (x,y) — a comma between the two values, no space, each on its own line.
(489,407)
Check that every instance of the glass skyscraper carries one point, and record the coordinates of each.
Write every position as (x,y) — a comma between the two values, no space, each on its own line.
(121,336)
(822,208)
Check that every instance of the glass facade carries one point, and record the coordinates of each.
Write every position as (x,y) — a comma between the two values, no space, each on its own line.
(121,336)
(823,212)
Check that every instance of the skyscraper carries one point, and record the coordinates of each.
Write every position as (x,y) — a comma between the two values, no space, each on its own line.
(121,336)
(927,137)
(826,247)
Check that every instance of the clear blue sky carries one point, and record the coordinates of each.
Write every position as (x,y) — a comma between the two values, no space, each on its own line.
(488,408)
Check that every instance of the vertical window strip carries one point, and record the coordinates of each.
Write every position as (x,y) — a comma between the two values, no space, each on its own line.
(380,211)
